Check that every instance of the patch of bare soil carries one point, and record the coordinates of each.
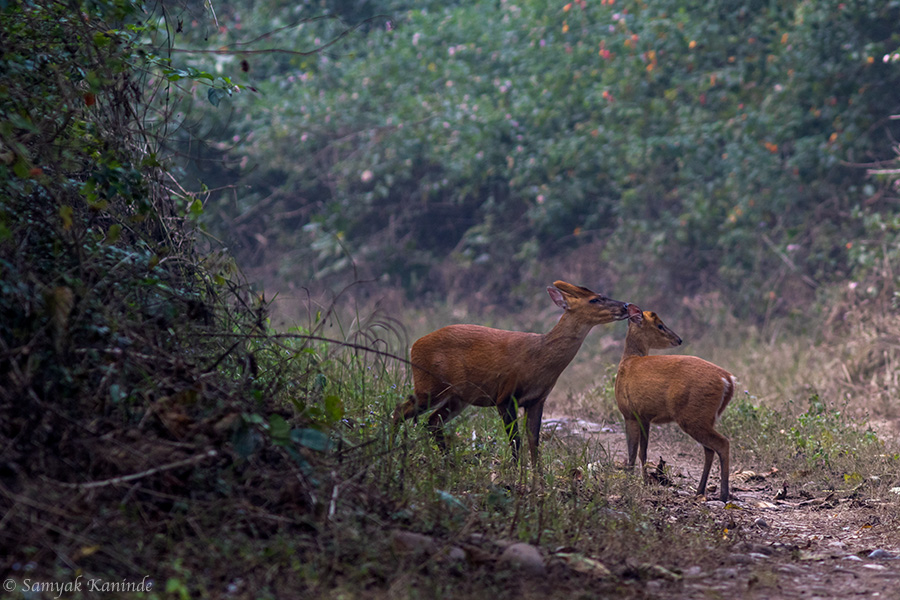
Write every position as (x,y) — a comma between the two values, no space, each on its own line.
(789,541)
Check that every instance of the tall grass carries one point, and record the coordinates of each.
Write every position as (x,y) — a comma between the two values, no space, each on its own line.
(474,496)
(817,403)
(794,412)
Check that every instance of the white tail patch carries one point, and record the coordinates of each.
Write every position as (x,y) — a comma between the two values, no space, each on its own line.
(727,393)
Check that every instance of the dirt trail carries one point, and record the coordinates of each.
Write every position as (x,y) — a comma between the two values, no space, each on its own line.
(811,544)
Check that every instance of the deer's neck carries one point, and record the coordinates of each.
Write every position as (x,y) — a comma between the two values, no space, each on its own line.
(634,347)
(564,340)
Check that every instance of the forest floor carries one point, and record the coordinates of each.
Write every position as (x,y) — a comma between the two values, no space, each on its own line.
(790,540)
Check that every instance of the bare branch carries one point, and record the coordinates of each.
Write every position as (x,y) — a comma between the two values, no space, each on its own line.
(330,43)
(142,474)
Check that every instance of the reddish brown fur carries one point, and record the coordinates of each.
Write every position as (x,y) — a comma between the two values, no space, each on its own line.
(661,389)
(460,365)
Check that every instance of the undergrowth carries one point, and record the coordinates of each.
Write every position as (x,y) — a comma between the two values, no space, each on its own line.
(153,426)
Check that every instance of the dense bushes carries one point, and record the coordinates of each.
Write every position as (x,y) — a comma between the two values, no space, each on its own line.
(126,353)
(706,144)
(92,247)
(152,429)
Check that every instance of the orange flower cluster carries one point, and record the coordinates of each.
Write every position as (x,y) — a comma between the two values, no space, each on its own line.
(581,4)
(604,53)
(650,57)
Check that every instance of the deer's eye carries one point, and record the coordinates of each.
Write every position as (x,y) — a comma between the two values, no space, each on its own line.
(660,326)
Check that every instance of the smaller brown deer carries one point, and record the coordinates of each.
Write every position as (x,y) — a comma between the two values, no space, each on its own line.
(661,389)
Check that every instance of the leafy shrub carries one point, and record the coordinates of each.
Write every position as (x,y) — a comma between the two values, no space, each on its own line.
(704,145)
(820,438)
(130,355)
(823,435)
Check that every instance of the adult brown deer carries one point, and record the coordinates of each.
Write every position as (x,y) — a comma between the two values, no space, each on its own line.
(462,365)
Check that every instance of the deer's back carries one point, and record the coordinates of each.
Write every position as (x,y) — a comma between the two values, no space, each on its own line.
(475,361)
(672,388)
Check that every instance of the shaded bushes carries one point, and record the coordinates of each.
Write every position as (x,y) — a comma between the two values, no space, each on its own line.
(701,145)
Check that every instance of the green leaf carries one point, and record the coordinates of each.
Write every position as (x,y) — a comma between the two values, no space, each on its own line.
(334,408)
(245,440)
(21,168)
(116,393)
(101,40)
(320,382)
(174,74)
(196,208)
(112,236)
(450,500)
(254,418)
(22,122)
(65,213)
(279,429)
(215,95)
(312,439)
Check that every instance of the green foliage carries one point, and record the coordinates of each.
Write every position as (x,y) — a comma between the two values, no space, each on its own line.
(820,438)
(96,297)
(129,353)
(491,134)
(142,388)
(823,435)
(763,426)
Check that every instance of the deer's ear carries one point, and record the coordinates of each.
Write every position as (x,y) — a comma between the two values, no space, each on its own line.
(576,291)
(558,298)
(635,315)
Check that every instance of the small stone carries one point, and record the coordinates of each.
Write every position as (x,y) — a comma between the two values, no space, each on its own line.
(883,554)
(417,543)
(740,559)
(790,569)
(693,573)
(409,541)
(659,571)
(584,564)
(524,556)
(761,523)
(752,548)
(456,554)
(727,573)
